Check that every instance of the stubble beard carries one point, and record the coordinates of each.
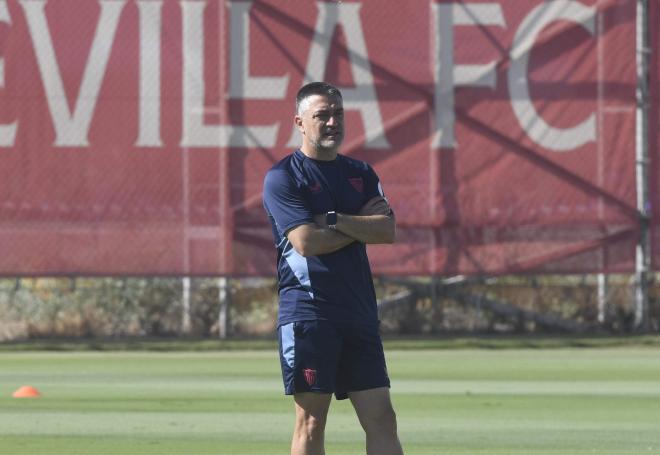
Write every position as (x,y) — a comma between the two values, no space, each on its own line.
(328,144)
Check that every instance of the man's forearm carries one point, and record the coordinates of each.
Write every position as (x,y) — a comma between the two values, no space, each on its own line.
(312,240)
(368,229)
(374,223)
(324,241)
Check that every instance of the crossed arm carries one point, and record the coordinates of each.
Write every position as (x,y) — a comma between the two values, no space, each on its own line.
(374,223)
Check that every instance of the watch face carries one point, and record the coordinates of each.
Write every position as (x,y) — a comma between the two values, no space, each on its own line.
(331,218)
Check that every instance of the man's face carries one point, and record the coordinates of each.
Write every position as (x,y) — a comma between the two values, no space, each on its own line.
(322,122)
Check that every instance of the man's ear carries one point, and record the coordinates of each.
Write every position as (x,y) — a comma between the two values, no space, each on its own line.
(297,120)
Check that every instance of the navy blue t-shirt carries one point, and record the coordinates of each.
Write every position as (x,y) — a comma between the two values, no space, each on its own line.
(336,286)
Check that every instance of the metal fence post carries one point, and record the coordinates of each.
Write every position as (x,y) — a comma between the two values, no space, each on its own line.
(224,296)
(642,260)
(185,317)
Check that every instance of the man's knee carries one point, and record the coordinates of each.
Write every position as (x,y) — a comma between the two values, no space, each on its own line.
(310,426)
(311,415)
(381,421)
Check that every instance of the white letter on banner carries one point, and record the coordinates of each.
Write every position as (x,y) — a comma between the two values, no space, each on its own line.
(241,84)
(150,68)
(363,96)
(556,139)
(446,74)
(195,133)
(7,132)
(72,129)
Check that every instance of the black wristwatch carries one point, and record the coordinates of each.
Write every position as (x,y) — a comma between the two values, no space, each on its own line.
(331,220)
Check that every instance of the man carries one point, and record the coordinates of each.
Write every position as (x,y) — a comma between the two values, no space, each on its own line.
(324,208)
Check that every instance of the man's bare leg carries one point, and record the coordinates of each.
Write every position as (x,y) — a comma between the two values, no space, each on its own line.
(377,417)
(309,432)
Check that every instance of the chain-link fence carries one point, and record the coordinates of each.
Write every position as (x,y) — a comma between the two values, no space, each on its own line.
(135,136)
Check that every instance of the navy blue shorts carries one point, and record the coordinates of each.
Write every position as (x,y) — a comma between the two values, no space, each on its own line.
(331,357)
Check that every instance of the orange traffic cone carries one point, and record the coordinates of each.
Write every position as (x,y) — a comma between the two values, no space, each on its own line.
(26,392)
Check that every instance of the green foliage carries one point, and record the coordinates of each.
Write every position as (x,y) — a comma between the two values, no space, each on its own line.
(130,307)
(101,308)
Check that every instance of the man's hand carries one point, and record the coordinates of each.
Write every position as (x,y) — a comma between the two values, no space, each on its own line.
(376,206)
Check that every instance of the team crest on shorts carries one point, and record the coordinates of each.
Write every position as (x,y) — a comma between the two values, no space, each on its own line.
(310,376)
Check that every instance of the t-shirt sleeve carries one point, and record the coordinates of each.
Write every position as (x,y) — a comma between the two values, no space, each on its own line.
(284,202)
(373,187)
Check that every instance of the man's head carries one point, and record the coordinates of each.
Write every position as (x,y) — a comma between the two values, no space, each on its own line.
(320,119)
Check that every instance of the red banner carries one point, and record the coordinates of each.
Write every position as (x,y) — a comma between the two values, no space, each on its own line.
(134,135)
(654,135)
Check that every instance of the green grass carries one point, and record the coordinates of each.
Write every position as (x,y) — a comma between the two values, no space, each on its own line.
(464,401)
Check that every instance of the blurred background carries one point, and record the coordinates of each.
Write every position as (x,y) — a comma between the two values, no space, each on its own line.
(516,141)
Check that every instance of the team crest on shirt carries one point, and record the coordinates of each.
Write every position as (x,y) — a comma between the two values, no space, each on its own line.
(310,376)
(357,183)
(315,188)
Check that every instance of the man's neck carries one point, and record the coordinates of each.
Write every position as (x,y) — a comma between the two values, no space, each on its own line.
(320,155)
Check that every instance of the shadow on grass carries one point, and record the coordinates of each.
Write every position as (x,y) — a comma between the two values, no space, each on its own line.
(391,343)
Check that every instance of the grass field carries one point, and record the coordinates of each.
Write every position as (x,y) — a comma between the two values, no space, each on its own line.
(464,401)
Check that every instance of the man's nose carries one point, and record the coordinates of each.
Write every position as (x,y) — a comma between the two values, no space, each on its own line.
(332,120)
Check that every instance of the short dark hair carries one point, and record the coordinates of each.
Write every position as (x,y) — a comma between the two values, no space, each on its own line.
(315,88)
